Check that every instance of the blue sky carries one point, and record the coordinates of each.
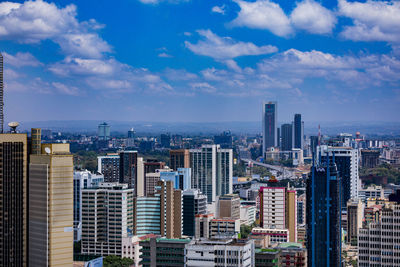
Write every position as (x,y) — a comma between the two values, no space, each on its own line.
(201,60)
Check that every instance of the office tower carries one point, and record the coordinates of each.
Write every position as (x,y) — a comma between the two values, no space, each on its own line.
(165,140)
(82,180)
(35,141)
(298,132)
(179,159)
(152,165)
(378,242)
(229,207)
(323,215)
(355,215)
(270,125)
(346,160)
(147,215)
(13,199)
(1,94)
(131,133)
(202,225)
(293,254)
(51,233)
(171,209)
(313,144)
(301,209)
(103,131)
(182,178)
(226,252)
(279,137)
(163,252)
(109,166)
(193,203)
(107,218)
(278,210)
(128,163)
(287,137)
(212,170)
(225,139)
(369,158)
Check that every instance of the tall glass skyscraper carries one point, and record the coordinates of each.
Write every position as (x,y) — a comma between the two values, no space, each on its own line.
(270,125)
(287,137)
(298,132)
(324,215)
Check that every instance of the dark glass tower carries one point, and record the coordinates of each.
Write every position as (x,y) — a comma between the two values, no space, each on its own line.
(128,168)
(270,125)
(193,203)
(298,131)
(286,133)
(323,215)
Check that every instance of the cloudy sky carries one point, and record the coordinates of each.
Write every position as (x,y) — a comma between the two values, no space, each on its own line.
(201,60)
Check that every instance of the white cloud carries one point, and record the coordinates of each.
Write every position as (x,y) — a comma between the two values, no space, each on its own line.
(372,20)
(64,89)
(225,47)
(165,55)
(263,14)
(203,87)
(34,21)
(219,9)
(80,66)
(21,59)
(154,2)
(313,17)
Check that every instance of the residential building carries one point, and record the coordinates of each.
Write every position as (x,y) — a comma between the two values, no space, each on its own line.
(160,252)
(221,253)
(286,137)
(151,180)
(346,160)
(107,218)
(51,233)
(355,215)
(212,170)
(179,159)
(324,215)
(109,166)
(194,203)
(371,192)
(103,131)
(275,235)
(82,180)
(301,209)
(298,132)
(222,228)
(13,196)
(229,207)
(270,125)
(247,214)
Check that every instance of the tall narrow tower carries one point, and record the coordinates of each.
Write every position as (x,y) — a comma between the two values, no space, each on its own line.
(270,125)
(1,94)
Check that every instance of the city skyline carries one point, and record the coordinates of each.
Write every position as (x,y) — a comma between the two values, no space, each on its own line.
(193,60)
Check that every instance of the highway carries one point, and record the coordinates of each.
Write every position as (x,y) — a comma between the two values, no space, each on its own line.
(286,174)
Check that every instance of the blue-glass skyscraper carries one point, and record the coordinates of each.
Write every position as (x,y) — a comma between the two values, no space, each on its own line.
(324,215)
(270,125)
(298,132)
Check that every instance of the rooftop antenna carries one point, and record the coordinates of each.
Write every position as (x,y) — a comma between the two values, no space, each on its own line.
(13,125)
(1,95)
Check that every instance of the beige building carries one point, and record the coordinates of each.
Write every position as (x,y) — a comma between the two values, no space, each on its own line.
(13,199)
(355,215)
(51,206)
(291,214)
(179,158)
(229,206)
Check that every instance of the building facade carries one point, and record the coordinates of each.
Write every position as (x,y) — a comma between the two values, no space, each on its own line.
(269,125)
(286,137)
(109,166)
(179,158)
(193,203)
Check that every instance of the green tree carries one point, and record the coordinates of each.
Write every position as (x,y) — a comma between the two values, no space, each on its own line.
(115,261)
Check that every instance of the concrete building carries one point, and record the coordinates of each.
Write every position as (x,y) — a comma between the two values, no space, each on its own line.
(355,215)
(107,218)
(82,180)
(103,131)
(194,203)
(268,257)
(202,225)
(278,209)
(160,252)
(371,192)
(229,207)
(179,158)
(128,168)
(221,253)
(109,166)
(293,254)
(151,179)
(369,158)
(212,170)
(181,178)
(51,232)
(222,228)
(13,197)
(247,214)
(269,125)
(301,209)
(346,159)
(378,243)
(275,235)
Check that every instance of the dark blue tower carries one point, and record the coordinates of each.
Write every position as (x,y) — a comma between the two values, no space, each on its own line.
(324,215)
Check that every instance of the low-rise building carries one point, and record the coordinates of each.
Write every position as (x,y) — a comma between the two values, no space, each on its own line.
(276,235)
(267,257)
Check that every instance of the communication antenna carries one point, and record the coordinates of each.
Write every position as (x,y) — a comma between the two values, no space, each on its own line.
(1,95)
(13,125)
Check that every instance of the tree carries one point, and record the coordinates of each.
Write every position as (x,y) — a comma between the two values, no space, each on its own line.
(245,230)
(115,261)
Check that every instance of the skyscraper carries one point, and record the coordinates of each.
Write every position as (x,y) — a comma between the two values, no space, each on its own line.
(287,137)
(103,131)
(109,166)
(128,163)
(1,94)
(51,207)
(193,203)
(270,125)
(131,133)
(212,170)
(179,159)
(298,132)
(13,199)
(323,215)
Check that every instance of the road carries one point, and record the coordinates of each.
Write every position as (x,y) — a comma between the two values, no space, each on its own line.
(286,174)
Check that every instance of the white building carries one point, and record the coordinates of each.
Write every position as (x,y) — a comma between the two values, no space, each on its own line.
(247,214)
(212,170)
(379,243)
(272,207)
(221,253)
(373,191)
(82,180)
(275,235)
